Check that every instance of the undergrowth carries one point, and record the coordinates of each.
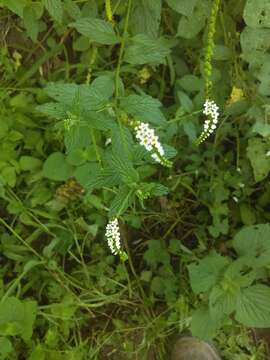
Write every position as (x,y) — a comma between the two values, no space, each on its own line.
(134,188)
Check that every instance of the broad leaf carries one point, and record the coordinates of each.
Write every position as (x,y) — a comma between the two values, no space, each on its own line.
(144,107)
(203,325)
(144,50)
(55,9)
(56,168)
(190,26)
(257,13)
(17,317)
(256,152)
(97,30)
(254,241)
(253,307)
(222,302)
(120,202)
(146,16)
(207,273)
(184,7)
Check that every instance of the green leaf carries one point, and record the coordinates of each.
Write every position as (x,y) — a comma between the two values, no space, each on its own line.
(248,215)
(54,110)
(264,77)
(257,13)
(156,253)
(184,7)
(253,307)
(87,171)
(120,202)
(29,163)
(256,153)
(222,302)
(207,273)
(97,30)
(145,18)
(54,8)
(261,128)
(56,168)
(144,107)
(146,50)
(15,6)
(252,240)
(17,317)
(190,26)
(255,43)
(77,157)
(9,175)
(31,22)
(5,348)
(72,9)
(191,83)
(203,325)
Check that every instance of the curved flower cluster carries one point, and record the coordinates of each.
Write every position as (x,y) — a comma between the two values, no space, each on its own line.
(211,110)
(147,138)
(113,236)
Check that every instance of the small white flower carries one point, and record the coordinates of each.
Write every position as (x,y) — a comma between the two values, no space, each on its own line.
(211,110)
(113,236)
(108,141)
(267,154)
(235,199)
(147,138)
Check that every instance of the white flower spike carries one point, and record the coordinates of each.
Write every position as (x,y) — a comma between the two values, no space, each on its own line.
(147,138)
(211,110)
(113,236)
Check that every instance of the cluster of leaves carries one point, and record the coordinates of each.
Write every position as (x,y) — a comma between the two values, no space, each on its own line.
(69,160)
(232,285)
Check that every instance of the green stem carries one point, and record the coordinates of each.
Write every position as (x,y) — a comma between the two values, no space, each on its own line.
(122,49)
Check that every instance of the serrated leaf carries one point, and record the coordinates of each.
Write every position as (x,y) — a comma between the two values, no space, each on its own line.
(184,7)
(206,274)
(99,178)
(144,50)
(253,306)
(203,325)
(145,17)
(63,93)
(222,302)
(144,107)
(120,202)
(54,110)
(257,13)
(97,30)
(54,8)
(256,153)
(56,168)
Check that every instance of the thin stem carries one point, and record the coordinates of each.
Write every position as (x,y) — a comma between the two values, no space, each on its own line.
(122,49)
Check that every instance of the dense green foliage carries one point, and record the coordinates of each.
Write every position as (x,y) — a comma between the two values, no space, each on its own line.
(77,79)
